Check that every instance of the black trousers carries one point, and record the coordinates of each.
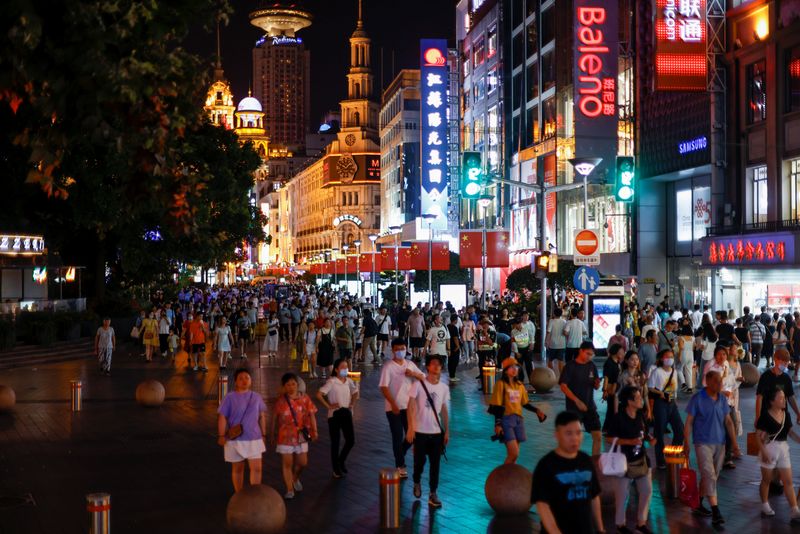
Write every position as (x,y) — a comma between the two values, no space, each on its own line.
(398,425)
(427,446)
(526,362)
(452,362)
(341,423)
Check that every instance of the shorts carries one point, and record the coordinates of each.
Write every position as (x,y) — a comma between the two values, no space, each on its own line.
(778,452)
(513,428)
(358,346)
(292,449)
(244,334)
(383,337)
(417,342)
(239,451)
(571,353)
(198,347)
(590,420)
(556,354)
(345,353)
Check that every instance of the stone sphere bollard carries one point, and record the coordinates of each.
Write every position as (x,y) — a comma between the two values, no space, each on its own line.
(150,393)
(7,398)
(750,374)
(508,489)
(543,379)
(256,510)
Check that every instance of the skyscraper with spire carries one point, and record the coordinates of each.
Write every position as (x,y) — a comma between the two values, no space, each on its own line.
(282,72)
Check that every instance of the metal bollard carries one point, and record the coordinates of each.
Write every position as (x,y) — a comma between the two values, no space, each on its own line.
(489,375)
(675,459)
(77,394)
(390,498)
(99,507)
(222,388)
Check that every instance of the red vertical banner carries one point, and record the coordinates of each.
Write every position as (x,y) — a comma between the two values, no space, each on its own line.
(340,266)
(440,256)
(497,248)
(419,255)
(352,264)
(405,258)
(550,198)
(365,262)
(470,247)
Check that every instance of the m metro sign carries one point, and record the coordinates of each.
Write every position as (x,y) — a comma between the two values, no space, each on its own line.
(587,247)
(680,51)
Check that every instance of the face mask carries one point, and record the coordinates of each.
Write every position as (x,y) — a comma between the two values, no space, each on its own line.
(400,354)
(190,318)
(783,368)
(668,362)
(343,373)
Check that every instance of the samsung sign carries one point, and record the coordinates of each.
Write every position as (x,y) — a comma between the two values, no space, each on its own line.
(701,143)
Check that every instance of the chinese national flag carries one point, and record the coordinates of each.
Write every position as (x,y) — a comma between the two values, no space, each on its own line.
(352,264)
(340,266)
(365,262)
(313,268)
(497,248)
(440,258)
(470,248)
(403,258)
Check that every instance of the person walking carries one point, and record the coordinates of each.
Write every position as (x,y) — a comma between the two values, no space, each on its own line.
(772,430)
(223,340)
(416,334)
(370,338)
(454,349)
(104,344)
(242,428)
(565,488)
(428,425)
(686,352)
(163,333)
(611,371)
(326,346)
(578,381)
(197,332)
(555,341)
(394,384)
(775,377)
(730,389)
(339,395)
(273,336)
(632,375)
(575,332)
(384,322)
(468,336)
(150,335)
(663,388)
(294,424)
(629,429)
(521,342)
(757,332)
(345,340)
(243,333)
(708,419)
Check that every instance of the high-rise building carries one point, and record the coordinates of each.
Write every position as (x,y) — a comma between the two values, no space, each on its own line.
(281,73)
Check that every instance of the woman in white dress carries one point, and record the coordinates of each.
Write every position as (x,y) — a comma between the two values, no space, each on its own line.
(686,362)
(310,343)
(271,341)
(223,339)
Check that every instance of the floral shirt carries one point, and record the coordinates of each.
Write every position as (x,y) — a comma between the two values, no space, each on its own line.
(288,432)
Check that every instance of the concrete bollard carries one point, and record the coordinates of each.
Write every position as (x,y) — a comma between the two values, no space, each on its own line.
(98,505)
(222,388)
(389,481)
(77,394)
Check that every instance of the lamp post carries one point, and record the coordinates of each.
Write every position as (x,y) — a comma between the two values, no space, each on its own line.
(484,201)
(345,248)
(374,294)
(333,259)
(396,229)
(584,167)
(429,218)
(357,243)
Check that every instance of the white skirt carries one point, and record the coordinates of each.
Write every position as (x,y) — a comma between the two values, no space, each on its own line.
(238,450)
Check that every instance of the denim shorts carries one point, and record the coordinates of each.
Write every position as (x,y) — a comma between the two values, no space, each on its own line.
(513,428)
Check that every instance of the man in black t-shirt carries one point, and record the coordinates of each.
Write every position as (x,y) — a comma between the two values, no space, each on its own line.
(565,487)
(611,372)
(578,381)
(775,377)
(724,328)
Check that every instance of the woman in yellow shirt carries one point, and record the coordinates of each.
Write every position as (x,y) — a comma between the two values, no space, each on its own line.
(508,400)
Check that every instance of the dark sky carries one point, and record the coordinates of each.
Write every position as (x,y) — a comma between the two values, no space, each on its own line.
(395,25)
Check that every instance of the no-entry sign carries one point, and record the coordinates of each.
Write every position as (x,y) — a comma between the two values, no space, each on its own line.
(587,247)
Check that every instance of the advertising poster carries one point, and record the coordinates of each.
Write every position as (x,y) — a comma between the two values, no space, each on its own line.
(606,315)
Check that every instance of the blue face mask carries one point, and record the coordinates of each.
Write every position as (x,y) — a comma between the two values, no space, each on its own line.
(343,373)
(783,368)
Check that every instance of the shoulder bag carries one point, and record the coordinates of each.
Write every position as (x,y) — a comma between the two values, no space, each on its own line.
(303,430)
(435,414)
(234,431)
(613,463)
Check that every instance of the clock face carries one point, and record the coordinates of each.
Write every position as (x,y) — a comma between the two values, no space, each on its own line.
(350,139)
(346,167)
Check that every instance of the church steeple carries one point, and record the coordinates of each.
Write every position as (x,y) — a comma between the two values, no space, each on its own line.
(359,79)
(219,99)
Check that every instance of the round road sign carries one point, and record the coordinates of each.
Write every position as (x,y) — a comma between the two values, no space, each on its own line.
(586,242)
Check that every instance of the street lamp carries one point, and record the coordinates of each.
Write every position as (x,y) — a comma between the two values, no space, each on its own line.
(345,248)
(396,229)
(429,218)
(334,250)
(484,202)
(374,294)
(357,243)
(584,167)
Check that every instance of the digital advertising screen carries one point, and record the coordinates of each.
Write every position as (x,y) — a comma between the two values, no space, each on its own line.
(606,314)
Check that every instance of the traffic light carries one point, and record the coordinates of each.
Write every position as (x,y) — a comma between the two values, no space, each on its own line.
(541,264)
(625,186)
(471,174)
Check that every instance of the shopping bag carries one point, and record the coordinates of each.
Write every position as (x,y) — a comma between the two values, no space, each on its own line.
(613,463)
(294,353)
(135,333)
(752,444)
(689,493)
(304,368)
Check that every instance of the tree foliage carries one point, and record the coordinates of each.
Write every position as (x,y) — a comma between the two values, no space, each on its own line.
(456,275)
(523,278)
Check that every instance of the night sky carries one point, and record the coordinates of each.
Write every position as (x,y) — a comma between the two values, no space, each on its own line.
(395,25)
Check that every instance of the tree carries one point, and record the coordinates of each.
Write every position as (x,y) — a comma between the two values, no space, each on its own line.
(523,278)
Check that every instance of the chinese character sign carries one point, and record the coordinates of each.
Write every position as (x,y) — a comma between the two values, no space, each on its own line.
(595,71)
(433,133)
(762,249)
(680,45)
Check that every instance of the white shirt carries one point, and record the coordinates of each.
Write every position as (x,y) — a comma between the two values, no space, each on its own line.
(697,319)
(437,338)
(424,418)
(531,328)
(575,330)
(393,376)
(351,315)
(658,380)
(384,323)
(339,392)
(646,328)
(556,330)
(723,369)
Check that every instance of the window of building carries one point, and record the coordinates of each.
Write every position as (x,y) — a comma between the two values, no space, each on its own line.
(478,52)
(465,62)
(759,196)
(532,39)
(530,118)
(517,51)
(794,188)
(344,199)
(515,131)
(548,71)
(549,118)
(548,27)
(532,80)
(479,131)
(793,79)
(377,202)
(530,7)
(516,12)
(757,92)
(491,80)
(491,42)
(516,91)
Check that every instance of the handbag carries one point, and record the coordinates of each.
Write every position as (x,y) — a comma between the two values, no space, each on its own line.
(637,468)
(135,333)
(304,366)
(303,430)
(752,444)
(613,463)
(689,493)
(148,336)
(436,415)
(234,431)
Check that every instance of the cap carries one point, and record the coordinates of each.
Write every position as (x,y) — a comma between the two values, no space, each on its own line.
(508,362)
(587,345)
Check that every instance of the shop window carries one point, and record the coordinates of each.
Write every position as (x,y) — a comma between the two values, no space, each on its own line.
(491,42)
(793,79)
(758,185)
(478,52)
(491,81)
(757,92)
(549,118)
(794,187)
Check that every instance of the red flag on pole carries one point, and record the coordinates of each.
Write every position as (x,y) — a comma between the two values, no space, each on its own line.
(419,255)
(470,248)
(340,266)
(440,258)
(497,248)
(365,262)
(352,264)
(405,258)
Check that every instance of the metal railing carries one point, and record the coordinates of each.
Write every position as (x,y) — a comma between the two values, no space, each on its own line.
(766,226)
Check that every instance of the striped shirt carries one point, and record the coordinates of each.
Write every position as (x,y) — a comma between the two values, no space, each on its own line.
(757,333)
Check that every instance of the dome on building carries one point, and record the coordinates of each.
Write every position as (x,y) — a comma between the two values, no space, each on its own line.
(249,104)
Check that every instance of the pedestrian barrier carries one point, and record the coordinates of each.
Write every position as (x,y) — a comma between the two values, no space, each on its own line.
(7,398)
(76,387)
(98,505)
(222,388)
(389,481)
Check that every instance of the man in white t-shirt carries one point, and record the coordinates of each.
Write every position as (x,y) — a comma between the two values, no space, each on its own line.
(104,343)
(395,383)
(428,425)
(384,327)
(438,338)
(416,333)
(556,342)
(696,317)
(338,395)
(575,331)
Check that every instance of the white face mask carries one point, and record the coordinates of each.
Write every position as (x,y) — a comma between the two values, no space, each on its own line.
(668,362)
(400,354)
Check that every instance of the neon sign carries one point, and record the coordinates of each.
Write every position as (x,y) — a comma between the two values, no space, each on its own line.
(21,244)
(433,141)
(342,218)
(694,145)
(680,60)
(764,249)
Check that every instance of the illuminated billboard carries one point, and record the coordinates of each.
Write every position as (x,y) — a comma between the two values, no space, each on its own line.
(680,59)
(433,133)
(351,168)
